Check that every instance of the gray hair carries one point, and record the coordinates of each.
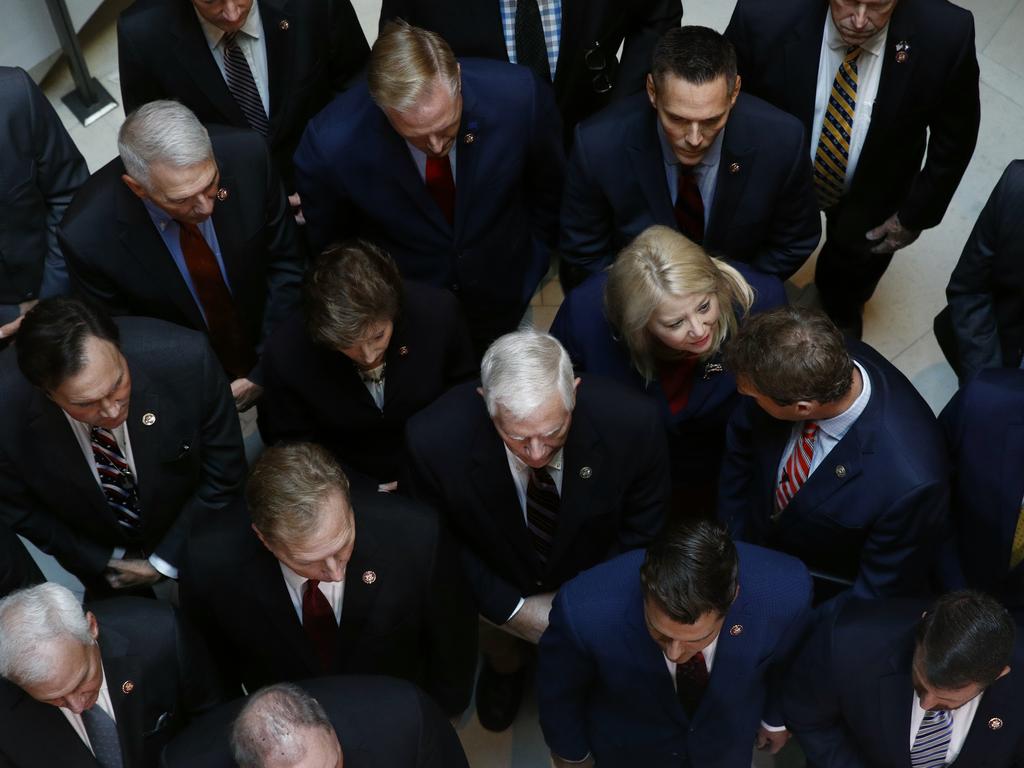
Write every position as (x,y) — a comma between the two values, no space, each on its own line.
(34,617)
(162,132)
(522,370)
(269,725)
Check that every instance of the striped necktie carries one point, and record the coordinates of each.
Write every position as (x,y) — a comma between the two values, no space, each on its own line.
(116,480)
(798,466)
(836,128)
(542,506)
(932,741)
(242,84)
(1017,550)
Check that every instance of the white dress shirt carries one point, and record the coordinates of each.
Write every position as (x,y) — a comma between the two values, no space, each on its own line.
(103,702)
(419,157)
(869,71)
(962,719)
(253,44)
(334,591)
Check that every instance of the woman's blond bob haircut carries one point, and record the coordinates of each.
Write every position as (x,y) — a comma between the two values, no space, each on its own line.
(659,264)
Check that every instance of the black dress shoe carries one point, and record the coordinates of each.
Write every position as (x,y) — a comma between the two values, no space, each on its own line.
(498,697)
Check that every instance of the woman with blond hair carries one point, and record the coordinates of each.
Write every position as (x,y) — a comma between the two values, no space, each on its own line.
(657,320)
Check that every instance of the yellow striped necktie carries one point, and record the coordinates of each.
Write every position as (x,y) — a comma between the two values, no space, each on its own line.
(1017,550)
(833,150)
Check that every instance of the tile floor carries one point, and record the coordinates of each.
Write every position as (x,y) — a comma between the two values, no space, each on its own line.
(898,320)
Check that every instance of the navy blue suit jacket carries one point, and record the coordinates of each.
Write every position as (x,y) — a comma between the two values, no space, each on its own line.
(604,687)
(357,177)
(984,424)
(874,512)
(848,696)
(763,213)
(697,433)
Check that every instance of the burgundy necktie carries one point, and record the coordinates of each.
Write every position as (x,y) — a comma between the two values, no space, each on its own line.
(441,185)
(319,624)
(691,681)
(689,208)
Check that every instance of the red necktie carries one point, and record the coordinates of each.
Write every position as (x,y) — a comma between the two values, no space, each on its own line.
(441,185)
(319,624)
(798,466)
(224,327)
(689,208)
(691,680)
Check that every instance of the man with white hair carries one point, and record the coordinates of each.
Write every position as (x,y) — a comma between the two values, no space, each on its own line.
(189,226)
(541,475)
(102,687)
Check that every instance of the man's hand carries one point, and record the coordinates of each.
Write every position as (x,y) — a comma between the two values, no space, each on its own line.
(245,393)
(771,741)
(121,574)
(387,487)
(558,762)
(9,329)
(532,619)
(892,235)
(296,203)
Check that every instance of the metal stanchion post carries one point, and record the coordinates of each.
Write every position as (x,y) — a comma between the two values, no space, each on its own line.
(89,101)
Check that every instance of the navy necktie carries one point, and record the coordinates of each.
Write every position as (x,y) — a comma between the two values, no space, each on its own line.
(102,733)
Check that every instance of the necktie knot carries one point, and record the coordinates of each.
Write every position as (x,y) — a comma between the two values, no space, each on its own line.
(810,430)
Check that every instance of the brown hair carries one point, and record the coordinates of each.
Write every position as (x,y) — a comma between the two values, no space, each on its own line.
(405,62)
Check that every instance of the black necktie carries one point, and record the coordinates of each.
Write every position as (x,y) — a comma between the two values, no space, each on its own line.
(691,680)
(531,49)
(102,733)
(542,505)
(242,85)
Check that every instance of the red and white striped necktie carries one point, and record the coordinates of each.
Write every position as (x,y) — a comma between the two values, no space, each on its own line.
(798,466)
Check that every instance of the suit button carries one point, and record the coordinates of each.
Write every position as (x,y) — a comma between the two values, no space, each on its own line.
(539,583)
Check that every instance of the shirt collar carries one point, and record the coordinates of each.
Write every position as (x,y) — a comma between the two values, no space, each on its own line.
(710,159)
(160,217)
(253,27)
(873,45)
(522,466)
(295,581)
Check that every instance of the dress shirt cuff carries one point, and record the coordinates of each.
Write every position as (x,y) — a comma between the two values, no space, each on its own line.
(514,612)
(163,566)
(567,760)
(118,553)
(773,728)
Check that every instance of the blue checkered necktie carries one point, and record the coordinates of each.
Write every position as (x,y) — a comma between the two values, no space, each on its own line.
(932,741)
(242,84)
(116,480)
(531,48)
(102,732)
(833,150)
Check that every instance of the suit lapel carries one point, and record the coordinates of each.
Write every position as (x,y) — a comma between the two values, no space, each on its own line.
(802,51)
(124,675)
(843,465)
(361,590)
(466,158)
(735,655)
(1010,500)
(734,165)
(269,587)
(894,79)
(145,440)
(279,35)
(226,220)
(580,488)
(194,55)
(644,151)
(570,44)
(894,701)
(984,739)
(650,662)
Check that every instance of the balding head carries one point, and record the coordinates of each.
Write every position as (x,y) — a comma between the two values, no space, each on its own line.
(282,726)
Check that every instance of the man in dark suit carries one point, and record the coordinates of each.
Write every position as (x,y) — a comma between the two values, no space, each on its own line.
(296,55)
(17,569)
(327,589)
(726,169)
(40,169)
(454,169)
(874,84)
(670,658)
(899,682)
(984,424)
(983,326)
(572,44)
(539,475)
(114,439)
(834,458)
(98,687)
(374,721)
(191,229)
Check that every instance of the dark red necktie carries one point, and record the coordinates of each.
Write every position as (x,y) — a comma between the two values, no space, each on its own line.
(319,624)
(691,681)
(689,208)
(441,185)
(227,337)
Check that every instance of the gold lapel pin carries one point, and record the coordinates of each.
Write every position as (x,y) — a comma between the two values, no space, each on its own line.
(369,577)
(283,25)
(127,687)
(222,194)
(734,168)
(736,630)
(995,723)
(149,419)
(469,138)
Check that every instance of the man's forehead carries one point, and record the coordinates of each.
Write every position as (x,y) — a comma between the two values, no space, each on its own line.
(182,181)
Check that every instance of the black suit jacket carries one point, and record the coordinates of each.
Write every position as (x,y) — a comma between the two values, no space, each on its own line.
(935,90)
(615,487)
(313,49)
(316,394)
(17,569)
(381,722)
(142,643)
(189,462)
(413,620)
(117,258)
(40,169)
(763,212)
(592,31)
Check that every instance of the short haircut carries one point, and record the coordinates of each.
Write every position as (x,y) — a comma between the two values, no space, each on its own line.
(287,487)
(791,354)
(52,338)
(29,620)
(163,132)
(351,286)
(405,62)
(692,569)
(522,370)
(698,55)
(966,638)
(268,729)
(659,264)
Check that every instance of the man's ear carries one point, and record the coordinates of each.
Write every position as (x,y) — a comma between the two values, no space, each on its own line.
(134,186)
(94,627)
(735,91)
(1005,672)
(652,92)
(804,408)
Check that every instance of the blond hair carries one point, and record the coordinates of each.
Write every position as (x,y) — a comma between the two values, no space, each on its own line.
(405,63)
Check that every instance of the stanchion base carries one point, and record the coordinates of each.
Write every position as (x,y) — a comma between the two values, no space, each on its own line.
(88,114)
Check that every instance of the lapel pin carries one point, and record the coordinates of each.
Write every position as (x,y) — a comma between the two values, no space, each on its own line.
(710,369)
(128,686)
(469,138)
(736,630)
(995,723)
(403,351)
(902,51)
(586,472)
(222,194)
(369,577)
(149,419)
(734,168)
(283,25)
(840,471)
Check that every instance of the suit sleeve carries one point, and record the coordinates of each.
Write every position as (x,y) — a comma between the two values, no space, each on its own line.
(87,280)
(201,688)
(545,165)
(283,415)
(585,237)
(800,621)
(439,746)
(651,22)
(646,500)
(349,50)
(138,86)
(461,362)
(17,569)
(329,217)
(565,672)
(564,328)
(953,420)
(736,483)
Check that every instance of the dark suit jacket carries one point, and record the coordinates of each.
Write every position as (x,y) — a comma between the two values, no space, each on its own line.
(17,569)
(116,257)
(414,621)
(40,169)
(985,318)
(316,394)
(475,29)
(141,641)
(984,424)
(873,512)
(603,685)
(696,435)
(313,49)
(381,723)
(357,178)
(848,696)
(189,462)
(615,486)
(934,91)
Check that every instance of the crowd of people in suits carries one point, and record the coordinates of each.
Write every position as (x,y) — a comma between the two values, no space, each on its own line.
(702,520)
